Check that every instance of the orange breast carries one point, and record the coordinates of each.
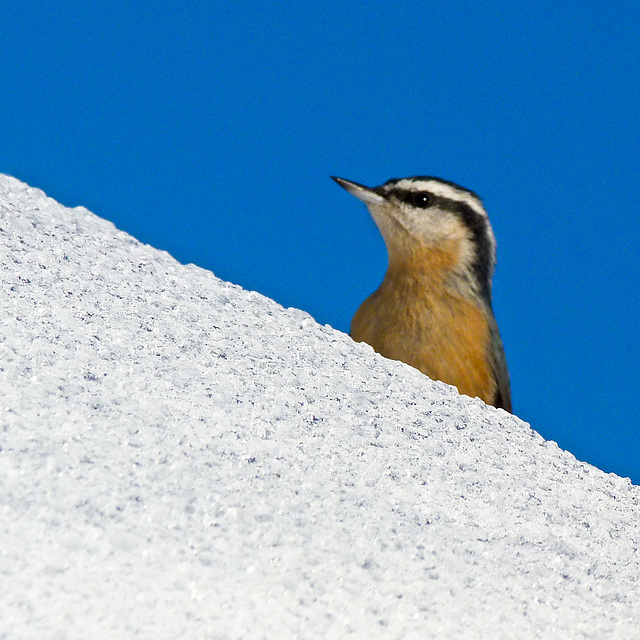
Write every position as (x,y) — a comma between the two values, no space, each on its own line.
(415,318)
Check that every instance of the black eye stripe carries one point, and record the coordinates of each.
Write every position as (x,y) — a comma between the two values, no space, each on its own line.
(418,199)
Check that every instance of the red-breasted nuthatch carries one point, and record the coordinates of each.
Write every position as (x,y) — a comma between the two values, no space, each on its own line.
(433,308)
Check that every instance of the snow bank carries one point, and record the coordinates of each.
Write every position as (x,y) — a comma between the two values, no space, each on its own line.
(181,458)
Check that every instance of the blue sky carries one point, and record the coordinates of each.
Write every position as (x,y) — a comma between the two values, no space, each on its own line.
(210,131)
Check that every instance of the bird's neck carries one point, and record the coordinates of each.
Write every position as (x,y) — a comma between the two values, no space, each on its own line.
(422,265)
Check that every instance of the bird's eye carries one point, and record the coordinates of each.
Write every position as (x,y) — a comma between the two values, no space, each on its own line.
(421,199)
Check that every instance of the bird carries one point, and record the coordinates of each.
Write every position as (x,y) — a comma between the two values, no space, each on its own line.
(433,309)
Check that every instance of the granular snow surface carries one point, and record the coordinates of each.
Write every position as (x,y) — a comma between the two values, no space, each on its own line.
(181,458)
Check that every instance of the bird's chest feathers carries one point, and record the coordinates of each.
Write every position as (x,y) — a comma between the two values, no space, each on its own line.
(405,315)
(415,317)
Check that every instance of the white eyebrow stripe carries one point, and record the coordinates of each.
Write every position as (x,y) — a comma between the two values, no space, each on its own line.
(443,191)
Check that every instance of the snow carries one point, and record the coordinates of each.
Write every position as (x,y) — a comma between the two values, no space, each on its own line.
(181,458)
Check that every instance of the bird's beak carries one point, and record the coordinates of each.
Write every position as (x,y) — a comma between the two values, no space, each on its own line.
(366,194)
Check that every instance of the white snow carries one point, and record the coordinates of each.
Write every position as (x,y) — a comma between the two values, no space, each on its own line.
(181,458)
